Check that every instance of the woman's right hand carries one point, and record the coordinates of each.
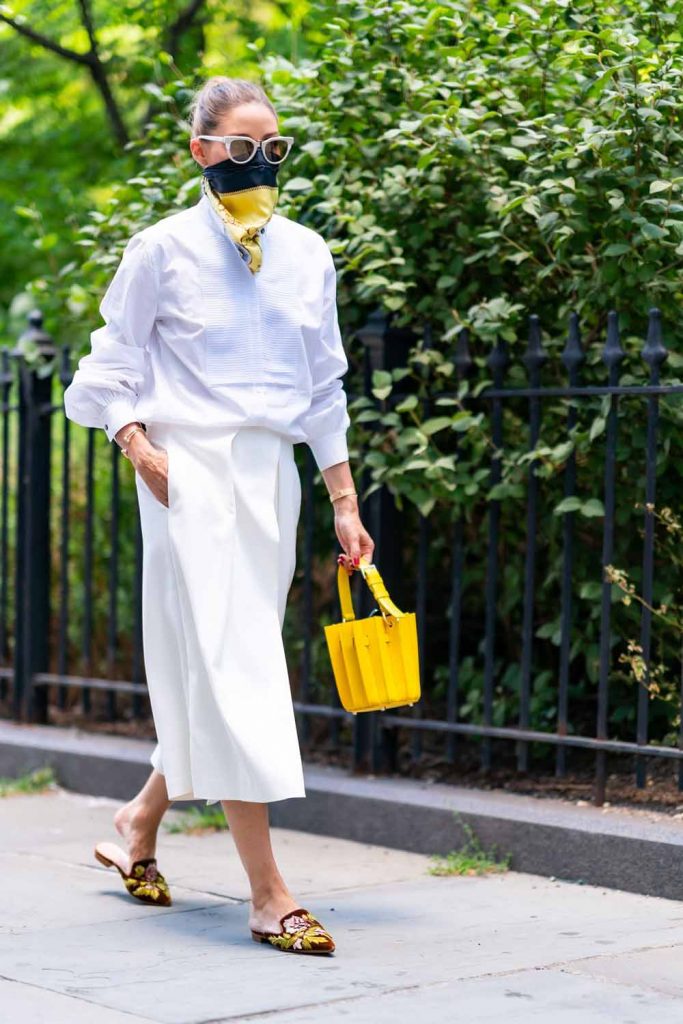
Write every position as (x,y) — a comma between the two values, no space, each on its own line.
(152,465)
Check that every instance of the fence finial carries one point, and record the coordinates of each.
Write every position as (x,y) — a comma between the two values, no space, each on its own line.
(573,354)
(613,353)
(498,359)
(654,351)
(535,355)
(461,357)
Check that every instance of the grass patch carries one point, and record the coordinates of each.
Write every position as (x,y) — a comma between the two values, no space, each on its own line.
(198,820)
(36,781)
(470,859)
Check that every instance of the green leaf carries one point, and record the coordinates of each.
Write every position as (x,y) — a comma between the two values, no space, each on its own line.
(532,205)
(297,185)
(597,427)
(407,404)
(381,393)
(601,82)
(615,198)
(46,242)
(592,508)
(616,249)
(505,490)
(462,421)
(381,378)
(653,230)
(314,147)
(512,153)
(571,504)
(426,507)
(26,211)
(436,424)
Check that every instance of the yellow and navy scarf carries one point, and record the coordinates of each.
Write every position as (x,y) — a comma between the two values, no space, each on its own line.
(244,212)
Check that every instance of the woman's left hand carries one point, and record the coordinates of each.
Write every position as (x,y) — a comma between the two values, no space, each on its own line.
(351,533)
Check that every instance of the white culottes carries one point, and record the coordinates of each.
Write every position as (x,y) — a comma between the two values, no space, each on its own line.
(218,563)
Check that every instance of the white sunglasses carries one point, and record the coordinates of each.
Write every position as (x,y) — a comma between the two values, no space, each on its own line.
(242,148)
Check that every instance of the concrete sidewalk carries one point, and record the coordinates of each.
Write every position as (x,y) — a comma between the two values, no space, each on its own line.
(635,850)
(75,948)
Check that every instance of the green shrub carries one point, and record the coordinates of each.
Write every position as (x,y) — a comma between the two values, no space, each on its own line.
(458,152)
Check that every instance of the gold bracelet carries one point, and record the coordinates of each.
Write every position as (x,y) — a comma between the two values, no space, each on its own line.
(342,492)
(126,440)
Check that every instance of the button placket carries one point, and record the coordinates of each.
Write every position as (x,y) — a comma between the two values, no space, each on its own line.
(259,332)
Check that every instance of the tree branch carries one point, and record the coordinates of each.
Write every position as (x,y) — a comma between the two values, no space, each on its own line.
(48,44)
(182,23)
(90,60)
(86,18)
(99,76)
(172,40)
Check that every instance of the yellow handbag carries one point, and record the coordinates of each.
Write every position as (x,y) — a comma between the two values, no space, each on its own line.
(374,660)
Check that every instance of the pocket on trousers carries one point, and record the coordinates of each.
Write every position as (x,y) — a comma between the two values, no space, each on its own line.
(168,478)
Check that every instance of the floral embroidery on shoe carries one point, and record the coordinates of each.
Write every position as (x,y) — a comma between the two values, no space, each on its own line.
(151,872)
(302,932)
(147,883)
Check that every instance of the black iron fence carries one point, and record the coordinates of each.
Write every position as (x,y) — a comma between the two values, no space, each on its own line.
(521,631)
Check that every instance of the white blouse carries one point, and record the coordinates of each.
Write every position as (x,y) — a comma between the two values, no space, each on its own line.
(192,336)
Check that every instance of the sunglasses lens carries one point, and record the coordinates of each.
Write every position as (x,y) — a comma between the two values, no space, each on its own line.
(241,150)
(276,149)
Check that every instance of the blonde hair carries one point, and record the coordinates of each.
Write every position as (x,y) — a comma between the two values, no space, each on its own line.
(217,96)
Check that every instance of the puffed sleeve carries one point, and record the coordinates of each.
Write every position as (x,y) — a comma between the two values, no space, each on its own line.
(327,420)
(105,385)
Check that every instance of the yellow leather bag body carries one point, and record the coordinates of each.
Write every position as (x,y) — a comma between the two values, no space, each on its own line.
(374,660)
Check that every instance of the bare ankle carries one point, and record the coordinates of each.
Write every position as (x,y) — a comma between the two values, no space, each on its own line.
(138,818)
(265,894)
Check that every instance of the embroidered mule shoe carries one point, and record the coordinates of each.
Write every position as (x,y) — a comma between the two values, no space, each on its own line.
(301,933)
(144,881)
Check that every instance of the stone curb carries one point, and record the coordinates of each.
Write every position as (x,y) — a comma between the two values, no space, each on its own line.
(636,851)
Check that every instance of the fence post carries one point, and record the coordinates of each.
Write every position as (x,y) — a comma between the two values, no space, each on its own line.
(32,580)
(386,347)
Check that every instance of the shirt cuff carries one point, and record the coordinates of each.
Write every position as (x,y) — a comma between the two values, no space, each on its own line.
(117,414)
(329,449)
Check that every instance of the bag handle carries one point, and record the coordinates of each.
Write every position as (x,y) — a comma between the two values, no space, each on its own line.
(375,583)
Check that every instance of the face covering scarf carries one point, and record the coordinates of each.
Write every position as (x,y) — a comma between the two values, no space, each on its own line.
(244,196)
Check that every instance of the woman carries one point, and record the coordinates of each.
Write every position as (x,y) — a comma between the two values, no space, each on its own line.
(221,349)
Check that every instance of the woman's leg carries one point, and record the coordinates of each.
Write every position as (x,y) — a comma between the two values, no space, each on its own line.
(270,896)
(138,821)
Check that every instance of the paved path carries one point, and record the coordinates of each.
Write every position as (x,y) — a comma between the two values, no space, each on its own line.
(74,948)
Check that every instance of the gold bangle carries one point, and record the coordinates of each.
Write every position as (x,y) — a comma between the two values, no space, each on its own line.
(125,443)
(342,492)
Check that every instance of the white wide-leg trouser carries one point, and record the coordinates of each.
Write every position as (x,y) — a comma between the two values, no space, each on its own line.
(217,567)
